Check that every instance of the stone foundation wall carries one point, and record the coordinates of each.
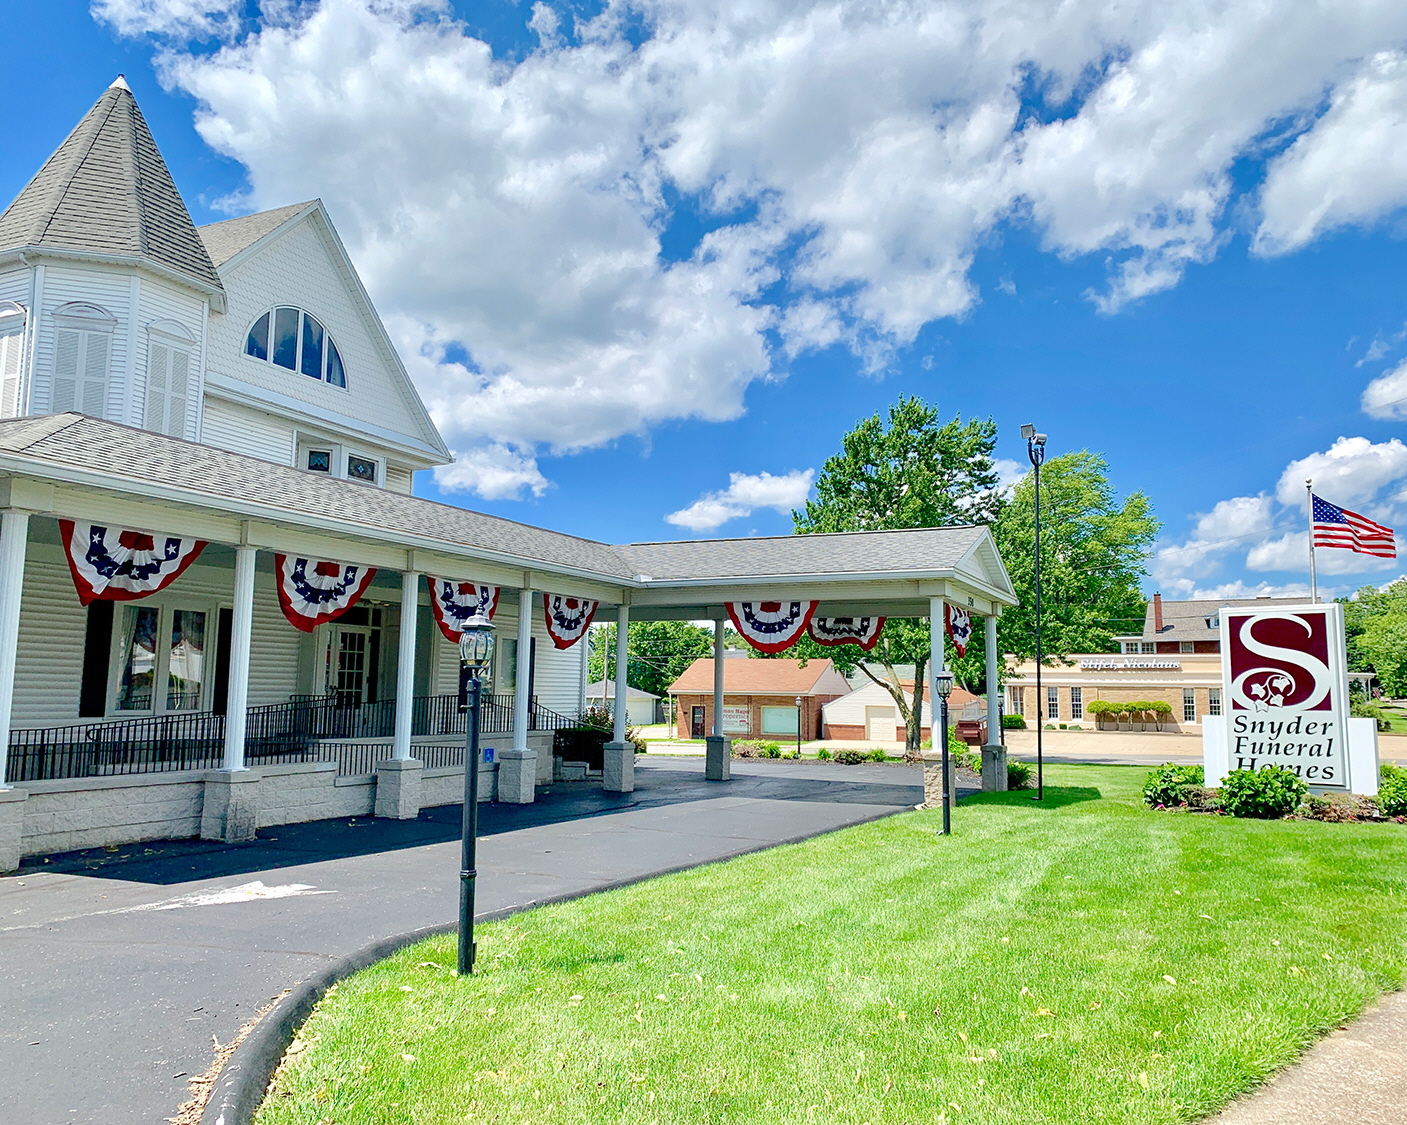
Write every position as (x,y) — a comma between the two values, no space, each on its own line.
(91,812)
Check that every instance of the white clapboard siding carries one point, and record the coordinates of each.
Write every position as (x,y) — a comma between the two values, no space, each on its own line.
(274,649)
(252,432)
(109,290)
(556,676)
(52,628)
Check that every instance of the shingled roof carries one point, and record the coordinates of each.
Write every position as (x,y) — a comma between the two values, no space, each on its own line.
(107,191)
(225,239)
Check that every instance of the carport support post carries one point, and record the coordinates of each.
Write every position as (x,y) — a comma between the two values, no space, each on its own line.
(230,811)
(937,789)
(718,753)
(398,781)
(517,767)
(618,765)
(993,753)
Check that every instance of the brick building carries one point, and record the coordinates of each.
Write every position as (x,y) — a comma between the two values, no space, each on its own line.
(759,697)
(1176,659)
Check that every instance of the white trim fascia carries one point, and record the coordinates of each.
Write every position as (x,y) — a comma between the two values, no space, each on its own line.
(776,581)
(248,394)
(216,293)
(989,539)
(370,317)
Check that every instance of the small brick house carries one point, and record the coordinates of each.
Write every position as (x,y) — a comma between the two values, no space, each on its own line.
(759,697)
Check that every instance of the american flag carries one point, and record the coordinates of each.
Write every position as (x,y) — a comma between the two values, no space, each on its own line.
(1338,527)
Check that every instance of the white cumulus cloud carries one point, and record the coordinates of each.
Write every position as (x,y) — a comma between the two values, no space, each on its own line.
(1351,471)
(1386,396)
(510,216)
(745,493)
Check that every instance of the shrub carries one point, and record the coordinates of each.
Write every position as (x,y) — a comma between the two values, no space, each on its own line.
(1019,774)
(1362,709)
(850,757)
(1013,722)
(1392,789)
(823,754)
(1264,794)
(966,759)
(877,755)
(769,749)
(596,718)
(1168,785)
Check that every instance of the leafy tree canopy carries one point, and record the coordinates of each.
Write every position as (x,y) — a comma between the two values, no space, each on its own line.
(658,652)
(1375,621)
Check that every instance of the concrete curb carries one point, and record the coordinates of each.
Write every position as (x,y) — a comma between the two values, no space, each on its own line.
(239,1089)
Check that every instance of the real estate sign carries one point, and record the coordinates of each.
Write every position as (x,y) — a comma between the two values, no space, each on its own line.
(735,720)
(1286,691)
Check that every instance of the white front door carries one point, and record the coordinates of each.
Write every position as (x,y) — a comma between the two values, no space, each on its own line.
(348,664)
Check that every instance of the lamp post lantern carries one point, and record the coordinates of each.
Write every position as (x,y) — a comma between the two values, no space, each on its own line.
(475,655)
(1035,450)
(942,688)
(798,728)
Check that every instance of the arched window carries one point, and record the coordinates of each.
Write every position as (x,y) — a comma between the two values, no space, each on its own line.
(293,339)
(12,318)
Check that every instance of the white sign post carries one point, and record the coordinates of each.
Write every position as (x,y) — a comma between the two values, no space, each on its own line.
(1285,686)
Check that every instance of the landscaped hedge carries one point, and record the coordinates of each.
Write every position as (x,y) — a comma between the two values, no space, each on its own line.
(1130,711)
(1392,789)
(1013,722)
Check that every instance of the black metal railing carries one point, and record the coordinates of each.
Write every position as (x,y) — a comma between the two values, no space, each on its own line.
(274,734)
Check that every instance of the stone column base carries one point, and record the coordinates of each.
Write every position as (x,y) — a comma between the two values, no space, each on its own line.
(618,767)
(994,769)
(718,758)
(933,787)
(11,827)
(517,776)
(230,810)
(398,788)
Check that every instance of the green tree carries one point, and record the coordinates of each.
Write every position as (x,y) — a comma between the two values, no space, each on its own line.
(1093,552)
(1375,621)
(657,651)
(905,469)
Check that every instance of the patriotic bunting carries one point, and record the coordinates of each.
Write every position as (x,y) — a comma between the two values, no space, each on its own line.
(117,564)
(830,631)
(315,591)
(567,618)
(453,603)
(771,626)
(959,623)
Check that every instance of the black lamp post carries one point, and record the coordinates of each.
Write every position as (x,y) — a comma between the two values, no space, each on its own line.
(942,688)
(476,655)
(798,728)
(1035,450)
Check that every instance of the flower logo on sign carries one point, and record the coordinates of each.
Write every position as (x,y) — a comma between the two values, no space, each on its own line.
(1267,688)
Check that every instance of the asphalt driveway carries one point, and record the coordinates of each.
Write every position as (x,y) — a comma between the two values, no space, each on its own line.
(120,969)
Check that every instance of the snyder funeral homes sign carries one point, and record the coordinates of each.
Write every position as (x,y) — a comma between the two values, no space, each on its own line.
(1285,683)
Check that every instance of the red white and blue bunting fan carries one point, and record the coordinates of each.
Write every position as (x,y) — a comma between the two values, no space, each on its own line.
(454,603)
(771,626)
(567,618)
(315,591)
(862,631)
(117,564)
(959,623)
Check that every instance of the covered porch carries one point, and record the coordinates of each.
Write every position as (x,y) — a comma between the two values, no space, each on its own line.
(199,709)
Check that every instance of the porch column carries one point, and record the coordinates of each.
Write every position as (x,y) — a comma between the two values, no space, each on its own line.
(585,652)
(230,808)
(14,536)
(405,666)
(718,753)
(241,634)
(618,767)
(398,780)
(994,752)
(517,766)
(936,788)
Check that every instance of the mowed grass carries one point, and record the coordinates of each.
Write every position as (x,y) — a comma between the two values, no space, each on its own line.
(1085,961)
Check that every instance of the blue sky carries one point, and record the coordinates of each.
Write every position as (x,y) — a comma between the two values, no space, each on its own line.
(634,255)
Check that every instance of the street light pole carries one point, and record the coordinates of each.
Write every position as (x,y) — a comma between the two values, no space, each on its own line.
(943,687)
(1035,451)
(798,728)
(475,654)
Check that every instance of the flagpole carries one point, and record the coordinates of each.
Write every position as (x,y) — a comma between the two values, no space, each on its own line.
(1313,577)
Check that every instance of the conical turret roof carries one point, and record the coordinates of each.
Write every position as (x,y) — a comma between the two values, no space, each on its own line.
(107,191)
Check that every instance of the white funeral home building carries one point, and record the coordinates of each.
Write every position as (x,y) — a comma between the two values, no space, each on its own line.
(221,605)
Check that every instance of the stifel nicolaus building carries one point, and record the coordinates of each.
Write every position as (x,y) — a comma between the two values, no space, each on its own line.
(221,605)
(1176,659)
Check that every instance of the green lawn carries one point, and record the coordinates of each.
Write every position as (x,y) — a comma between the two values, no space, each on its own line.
(1086,961)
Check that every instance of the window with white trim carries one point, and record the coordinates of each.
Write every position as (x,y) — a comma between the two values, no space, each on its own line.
(82,357)
(1052,703)
(12,320)
(160,658)
(1077,703)
(170,370)
(1214,701)
(1150,646)
(1189,705)
(1184,647)
(295,340)
(1015,701)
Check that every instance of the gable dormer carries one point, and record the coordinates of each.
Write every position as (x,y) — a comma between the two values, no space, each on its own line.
(300,368)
